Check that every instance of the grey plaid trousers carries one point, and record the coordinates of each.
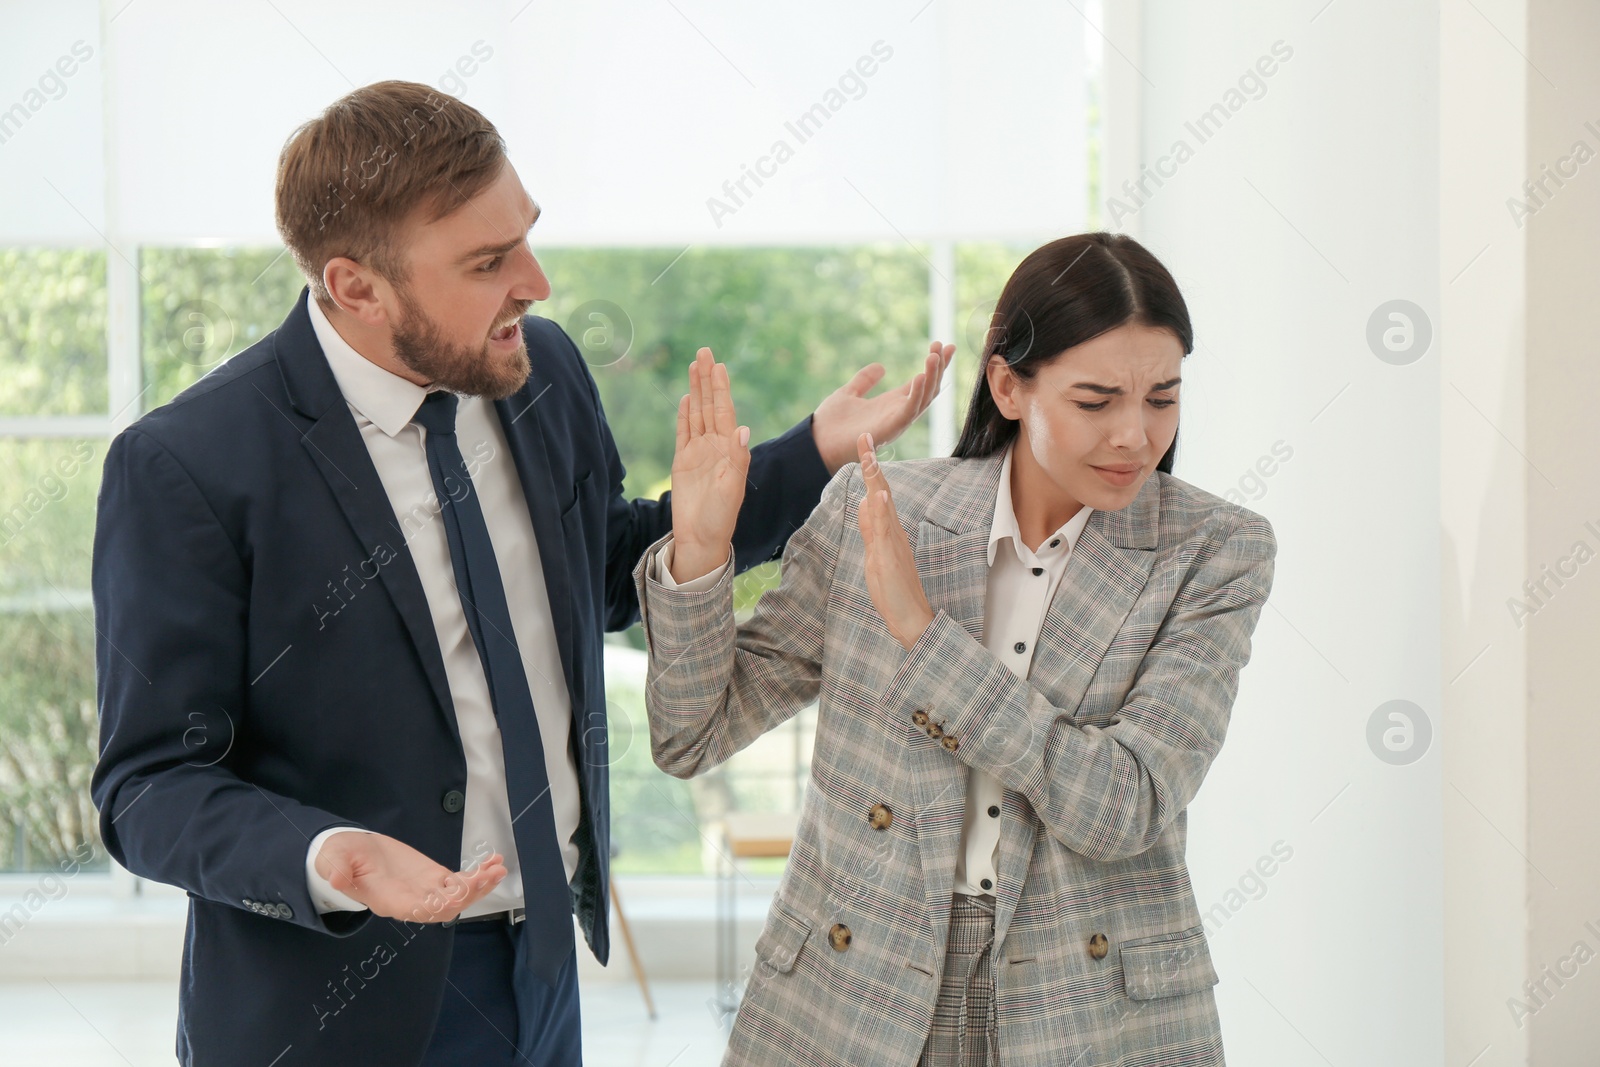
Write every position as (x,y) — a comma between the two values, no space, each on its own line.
(964,1032)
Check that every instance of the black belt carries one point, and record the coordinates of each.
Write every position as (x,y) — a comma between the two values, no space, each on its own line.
(513,916)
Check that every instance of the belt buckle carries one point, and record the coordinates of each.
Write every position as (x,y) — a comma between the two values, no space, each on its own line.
(510,917)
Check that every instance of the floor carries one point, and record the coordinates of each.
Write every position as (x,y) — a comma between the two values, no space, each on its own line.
(130,1024)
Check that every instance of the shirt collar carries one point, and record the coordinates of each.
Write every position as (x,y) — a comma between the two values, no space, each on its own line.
(1005,517)
(385,399)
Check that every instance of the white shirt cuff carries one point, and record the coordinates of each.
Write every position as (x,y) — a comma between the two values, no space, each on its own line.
(324,897)
(663,572)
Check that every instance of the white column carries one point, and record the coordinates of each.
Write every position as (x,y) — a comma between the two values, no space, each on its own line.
(1304,200)
(1121,103)
(942,327)
(1563,525)
(1483,487)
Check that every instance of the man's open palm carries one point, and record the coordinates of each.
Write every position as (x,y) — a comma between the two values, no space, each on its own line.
(397,881)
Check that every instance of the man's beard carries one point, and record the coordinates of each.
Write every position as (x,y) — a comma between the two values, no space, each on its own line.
(420,346)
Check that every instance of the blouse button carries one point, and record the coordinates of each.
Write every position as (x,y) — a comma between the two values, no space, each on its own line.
(1020,647)
(994,811)
(1038,571)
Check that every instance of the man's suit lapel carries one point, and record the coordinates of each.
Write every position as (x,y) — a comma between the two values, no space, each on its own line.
(531,449)
(1109,567)
(333,441)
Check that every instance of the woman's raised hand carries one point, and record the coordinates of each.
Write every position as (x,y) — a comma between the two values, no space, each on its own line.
(891,568)
(708,471)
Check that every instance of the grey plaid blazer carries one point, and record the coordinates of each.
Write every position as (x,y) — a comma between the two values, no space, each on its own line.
(1099,954)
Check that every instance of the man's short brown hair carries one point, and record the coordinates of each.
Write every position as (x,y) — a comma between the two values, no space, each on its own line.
(350,178)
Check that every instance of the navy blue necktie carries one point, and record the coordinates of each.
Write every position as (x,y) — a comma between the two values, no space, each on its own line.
(483,599)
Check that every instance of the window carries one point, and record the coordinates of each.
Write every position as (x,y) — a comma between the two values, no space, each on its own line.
(53,365)
(792,324)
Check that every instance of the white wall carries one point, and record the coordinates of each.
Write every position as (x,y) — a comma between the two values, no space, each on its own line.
(1563,492)
(1315,202)
(1387,159)
(1483,540)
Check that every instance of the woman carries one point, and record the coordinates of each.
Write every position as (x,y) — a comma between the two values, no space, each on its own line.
(1025,656)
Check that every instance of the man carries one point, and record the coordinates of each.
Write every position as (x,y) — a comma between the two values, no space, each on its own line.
(351,589)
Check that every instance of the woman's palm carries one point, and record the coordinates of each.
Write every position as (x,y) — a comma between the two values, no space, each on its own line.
(711,461)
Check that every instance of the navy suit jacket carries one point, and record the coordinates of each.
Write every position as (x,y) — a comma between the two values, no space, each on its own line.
(267,668)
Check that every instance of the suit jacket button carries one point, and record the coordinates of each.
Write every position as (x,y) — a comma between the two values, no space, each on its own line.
(839,937)
(880,817)
(950,744)
(1099,946)
(935,731)
(454,801)
(919,717)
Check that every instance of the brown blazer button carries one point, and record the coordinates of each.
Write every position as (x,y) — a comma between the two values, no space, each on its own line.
(880,817)
(839,937)
(919,717)
(950,743)
(1098,946)
(935,731)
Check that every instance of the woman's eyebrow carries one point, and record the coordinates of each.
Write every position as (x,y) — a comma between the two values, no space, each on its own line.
(1116,390)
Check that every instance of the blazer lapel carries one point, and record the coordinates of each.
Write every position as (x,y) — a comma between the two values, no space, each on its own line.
(1109,567)
(340,455)
(1110,564)
(952,561)
(530,450)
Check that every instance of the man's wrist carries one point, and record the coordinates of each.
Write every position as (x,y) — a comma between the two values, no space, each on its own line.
(832,462)
(323,895)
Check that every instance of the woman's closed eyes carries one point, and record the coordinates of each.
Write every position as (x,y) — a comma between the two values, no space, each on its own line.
(1103,403)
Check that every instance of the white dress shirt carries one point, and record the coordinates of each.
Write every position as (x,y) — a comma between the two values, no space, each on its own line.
(1021,584)
(383,405)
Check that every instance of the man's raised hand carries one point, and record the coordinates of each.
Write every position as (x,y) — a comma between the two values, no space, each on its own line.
(847,412)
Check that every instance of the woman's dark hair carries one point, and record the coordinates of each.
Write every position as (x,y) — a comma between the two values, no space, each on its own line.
(1063,294)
